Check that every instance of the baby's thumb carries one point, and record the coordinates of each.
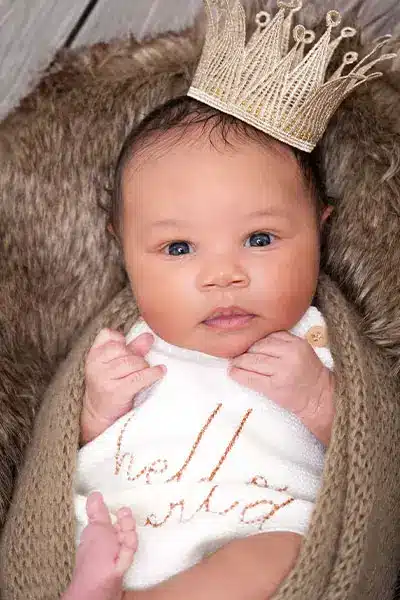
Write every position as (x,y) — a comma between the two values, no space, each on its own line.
(141,345)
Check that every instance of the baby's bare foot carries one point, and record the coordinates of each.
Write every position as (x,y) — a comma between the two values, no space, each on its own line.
(104,554)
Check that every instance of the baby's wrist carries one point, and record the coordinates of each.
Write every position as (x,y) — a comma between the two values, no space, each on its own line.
(92,427)
(88,430)
(92,424)
(95,419)
(320,412)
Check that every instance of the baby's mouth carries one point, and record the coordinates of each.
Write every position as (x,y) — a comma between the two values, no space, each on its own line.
(228,319)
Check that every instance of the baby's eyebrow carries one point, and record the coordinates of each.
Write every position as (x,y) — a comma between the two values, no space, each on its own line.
(272,212)
(169,223)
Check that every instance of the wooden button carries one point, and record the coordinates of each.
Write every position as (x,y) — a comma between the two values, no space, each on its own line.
(317,336)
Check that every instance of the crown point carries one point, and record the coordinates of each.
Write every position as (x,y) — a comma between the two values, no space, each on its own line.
(348,32)
(349,58)
(380,41)
(263,19)
(309,37)
(333,18)
(302,35)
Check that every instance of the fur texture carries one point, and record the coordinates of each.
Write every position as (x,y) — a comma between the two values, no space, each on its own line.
(58,268)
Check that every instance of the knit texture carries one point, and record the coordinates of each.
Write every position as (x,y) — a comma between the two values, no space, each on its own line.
(351,551)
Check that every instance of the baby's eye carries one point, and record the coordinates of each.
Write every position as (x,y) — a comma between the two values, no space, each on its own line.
(259,239)
(178,248)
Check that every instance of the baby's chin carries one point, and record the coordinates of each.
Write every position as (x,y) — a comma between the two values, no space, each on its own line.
(218,343)
(228,351)
(228,346)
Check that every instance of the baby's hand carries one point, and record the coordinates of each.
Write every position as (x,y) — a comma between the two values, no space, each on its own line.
(285,368)
(114,373)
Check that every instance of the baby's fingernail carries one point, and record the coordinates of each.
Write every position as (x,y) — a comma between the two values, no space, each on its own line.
(163,368)
(141,336)
(141,344)
(147,334)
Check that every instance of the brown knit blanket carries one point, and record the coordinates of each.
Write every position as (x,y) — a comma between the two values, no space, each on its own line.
(351,551)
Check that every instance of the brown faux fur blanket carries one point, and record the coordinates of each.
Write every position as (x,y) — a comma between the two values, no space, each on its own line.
(351,550)
(58,269)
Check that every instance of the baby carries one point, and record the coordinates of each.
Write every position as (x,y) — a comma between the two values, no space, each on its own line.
(207,424)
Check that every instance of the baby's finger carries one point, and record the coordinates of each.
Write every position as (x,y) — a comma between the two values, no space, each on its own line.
(255,381)
(257,363)
(273,345)
(107,335)
(142,344)
(107,352)
(146,377)
(283,335)
(123,366)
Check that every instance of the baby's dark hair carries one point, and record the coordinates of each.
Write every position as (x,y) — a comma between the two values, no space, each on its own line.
(183,112)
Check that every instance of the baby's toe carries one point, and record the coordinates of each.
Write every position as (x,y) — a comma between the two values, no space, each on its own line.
(128,547)
(126,520)
(128,539)
(96,510)
(124,512)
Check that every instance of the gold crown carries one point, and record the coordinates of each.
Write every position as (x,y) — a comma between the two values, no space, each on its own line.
(275,88)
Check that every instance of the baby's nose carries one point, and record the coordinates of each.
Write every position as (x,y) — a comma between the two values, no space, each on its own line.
(223,274)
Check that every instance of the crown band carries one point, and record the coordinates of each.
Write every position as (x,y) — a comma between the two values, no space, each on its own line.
(235,111)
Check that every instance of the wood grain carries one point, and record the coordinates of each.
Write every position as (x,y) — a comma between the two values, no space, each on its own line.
(112,18)
(30,33)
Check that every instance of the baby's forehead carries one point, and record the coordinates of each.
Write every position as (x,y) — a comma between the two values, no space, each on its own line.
(208,139)
(198,180)
(187,166)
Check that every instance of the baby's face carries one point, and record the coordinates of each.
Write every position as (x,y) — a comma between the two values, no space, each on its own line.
(210,230)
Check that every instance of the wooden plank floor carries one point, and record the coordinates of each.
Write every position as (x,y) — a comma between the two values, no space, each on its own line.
(32,30)
(111,19)
(30,33)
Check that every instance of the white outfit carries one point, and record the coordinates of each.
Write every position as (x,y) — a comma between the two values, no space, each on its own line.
(201,460)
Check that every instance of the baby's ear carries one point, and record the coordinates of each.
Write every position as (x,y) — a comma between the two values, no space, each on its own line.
(111,231)
(326,213)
